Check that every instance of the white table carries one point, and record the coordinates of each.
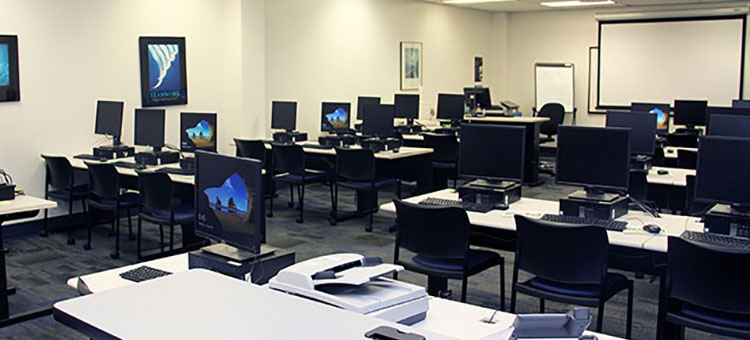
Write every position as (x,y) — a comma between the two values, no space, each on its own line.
(109,279)
(673,177)
(81,164)
(671,151)
(403,152)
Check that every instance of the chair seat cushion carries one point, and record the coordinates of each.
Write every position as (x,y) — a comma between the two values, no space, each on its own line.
(716,317)
(477,259)
(378,183)
(183,214)
(444,165)
(79,192)
(614,283)
(310,177)
(128,199)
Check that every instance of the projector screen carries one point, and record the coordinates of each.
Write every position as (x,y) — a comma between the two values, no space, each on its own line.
(660,60)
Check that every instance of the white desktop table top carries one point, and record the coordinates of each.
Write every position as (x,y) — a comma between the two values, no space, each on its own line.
(24,203)
(671,151)
(673,177)
(184,179)
(404,151)
(109,279)
(521,119)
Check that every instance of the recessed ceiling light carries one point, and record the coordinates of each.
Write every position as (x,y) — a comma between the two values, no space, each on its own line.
(576,3)
(473,1)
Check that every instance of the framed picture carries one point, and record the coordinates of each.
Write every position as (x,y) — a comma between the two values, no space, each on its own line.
(593,80)
(163,75)
(411,65)
(9,89)
(478,69)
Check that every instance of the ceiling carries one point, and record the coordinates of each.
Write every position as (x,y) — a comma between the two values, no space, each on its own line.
(533,5)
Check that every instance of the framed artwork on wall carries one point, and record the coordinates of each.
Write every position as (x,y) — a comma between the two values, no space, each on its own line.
(411,65)
(163,71)
(9,84)
(478,69)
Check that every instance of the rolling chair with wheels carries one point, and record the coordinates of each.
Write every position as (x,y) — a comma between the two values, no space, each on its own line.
(444,153)
(289,166)
(256,149)
(60,184)
(556,114)
(439,238)
(569,264)
(105,194)
(355,169)
(711,296)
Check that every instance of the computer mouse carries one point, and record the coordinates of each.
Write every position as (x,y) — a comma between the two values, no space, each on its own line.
(662,172)
(140,166)
(670,150)
(652,228)
(395,150)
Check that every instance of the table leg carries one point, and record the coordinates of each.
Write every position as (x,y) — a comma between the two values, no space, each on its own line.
(4,313)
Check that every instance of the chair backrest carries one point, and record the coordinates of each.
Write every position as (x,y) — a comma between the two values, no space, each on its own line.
(561,252)
(638,184)
(437,232)
(355,164)
(254,149)
(59,172)
(556,113)
(104,181)
(288,158)
(444,147)
(707,276)
(155,190)
(687,159)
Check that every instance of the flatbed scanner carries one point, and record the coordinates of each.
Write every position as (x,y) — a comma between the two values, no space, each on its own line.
(355,283)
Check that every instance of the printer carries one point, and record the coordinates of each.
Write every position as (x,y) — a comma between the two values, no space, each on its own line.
(355,283)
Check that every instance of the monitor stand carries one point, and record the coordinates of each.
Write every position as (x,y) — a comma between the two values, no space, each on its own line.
(731,220)
(236,254)
(490,184)
(595,195)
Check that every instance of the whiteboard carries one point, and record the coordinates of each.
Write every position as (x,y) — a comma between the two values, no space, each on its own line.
(554,83)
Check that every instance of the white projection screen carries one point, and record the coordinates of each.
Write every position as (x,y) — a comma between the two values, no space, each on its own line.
(660,60)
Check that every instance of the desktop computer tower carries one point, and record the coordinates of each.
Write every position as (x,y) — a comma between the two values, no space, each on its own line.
(721,220)
(289,137)
(501,196)
(157,158)
(7,192)
(587,208)
(111,152)
(261,270)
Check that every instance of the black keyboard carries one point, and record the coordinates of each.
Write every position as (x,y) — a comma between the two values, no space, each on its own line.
(470,206)
(717,240)
(143,273)
(87,157)
(176,171)
(123,164)
(607,224)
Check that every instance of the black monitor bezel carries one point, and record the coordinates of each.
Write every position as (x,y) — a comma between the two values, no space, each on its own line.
(98,119)
(361,104)
(652,141)
(276,115)
(521,130)
(655,105)
(480,92)
(609,188)
(456,96)
(323,117)
(365,126)
(711,129)
(140,111)
(680,118)
(398,106)
(699,181)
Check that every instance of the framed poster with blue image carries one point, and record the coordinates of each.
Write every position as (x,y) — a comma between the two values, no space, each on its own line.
(9,88)
(163,71)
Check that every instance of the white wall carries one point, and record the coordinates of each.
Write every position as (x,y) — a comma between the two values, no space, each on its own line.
(336,50)
(75,51)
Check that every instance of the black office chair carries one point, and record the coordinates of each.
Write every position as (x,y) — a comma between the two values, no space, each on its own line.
(289,167)
(556,114)
(355,169)
(569,264)
(444,153)
(159,206)
(256,149)
(439,238)
(687,159)
(105,194)
(60,184)
(707,289)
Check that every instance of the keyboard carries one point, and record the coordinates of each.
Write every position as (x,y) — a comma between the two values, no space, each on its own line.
(713,239)
(123,164)
(143,273)
(176,171)
(87,157)
(470,206)
(607,224)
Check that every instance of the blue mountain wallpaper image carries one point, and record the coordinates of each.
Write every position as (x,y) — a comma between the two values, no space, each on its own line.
(661,118)
(4,66)
(338,118)
(232,204)
(202,134)
(164,67)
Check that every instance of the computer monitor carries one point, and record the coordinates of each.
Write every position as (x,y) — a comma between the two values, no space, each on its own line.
(335,117)
(109,119)
(690,112)
(364,101)
(740,103)
(729,126)
(722,173)
(660,110)
(284,115)
(149,128)
(377,120)
(229,201)
(595,158)
(451,106)
(198,131)
(478,97)
(724,110)
(406,106)
(642,127)
(491,152)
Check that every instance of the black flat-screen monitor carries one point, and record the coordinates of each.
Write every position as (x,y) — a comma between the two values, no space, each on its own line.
(729,126)
(479,96)
(451,106)
(335,117)
(660,110)
(722,175)
(198,131)
(377,120)
(284,115)
(109,118)
(593,157)
(406,106)
(724,110)
(364,101)
(229,200)
(741,103)
(642,127)
(149,127)
(491,152)
(690,112)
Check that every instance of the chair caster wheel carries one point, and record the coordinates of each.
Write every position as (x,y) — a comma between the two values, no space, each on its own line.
(290,205)
(332,221)
(87,246)
(269,214)
(299,220)
(71,241)
(43,233)
(115,255)
(392,228)
(368,229)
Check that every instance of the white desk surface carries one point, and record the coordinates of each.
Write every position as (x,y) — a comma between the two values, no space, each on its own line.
(633,237)
(671,151)
(200,304)
(24,203)
(522,119)
(108,279)
(404,151)
(674,177)
(81,164)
